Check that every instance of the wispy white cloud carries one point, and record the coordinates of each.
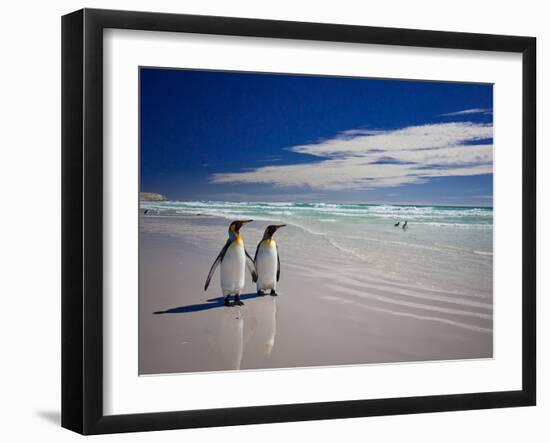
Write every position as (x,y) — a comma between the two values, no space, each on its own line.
(365,159)
(270,159)
(468,112)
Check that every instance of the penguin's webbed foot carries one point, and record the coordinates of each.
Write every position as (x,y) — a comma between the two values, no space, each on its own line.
(238,301)
(273,293)
(260,293)
(226,301)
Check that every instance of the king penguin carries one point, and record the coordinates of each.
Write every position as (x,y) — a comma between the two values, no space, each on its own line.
(234,259)
(268,264)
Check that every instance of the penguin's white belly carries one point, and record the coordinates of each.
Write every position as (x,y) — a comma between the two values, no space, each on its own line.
(266,266)
(232,269)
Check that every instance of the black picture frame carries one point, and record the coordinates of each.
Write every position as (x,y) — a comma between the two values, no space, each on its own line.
(82,218)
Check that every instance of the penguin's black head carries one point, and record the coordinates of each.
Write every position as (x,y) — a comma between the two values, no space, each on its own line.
(271,229)
(237,224)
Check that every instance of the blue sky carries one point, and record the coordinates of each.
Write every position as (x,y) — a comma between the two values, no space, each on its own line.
(271,137)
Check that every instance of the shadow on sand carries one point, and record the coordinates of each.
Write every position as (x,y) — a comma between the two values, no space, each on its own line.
(211,304)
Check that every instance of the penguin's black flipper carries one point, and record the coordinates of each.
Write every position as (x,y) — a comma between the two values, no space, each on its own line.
(278,264)
(251,266)
(257,249)
(218,260)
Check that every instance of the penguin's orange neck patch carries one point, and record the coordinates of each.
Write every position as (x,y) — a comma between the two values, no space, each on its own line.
(238,239)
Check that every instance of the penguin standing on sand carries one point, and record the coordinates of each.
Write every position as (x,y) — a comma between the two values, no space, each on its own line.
(234,259)
(268,264)
(405,227)
(397,224)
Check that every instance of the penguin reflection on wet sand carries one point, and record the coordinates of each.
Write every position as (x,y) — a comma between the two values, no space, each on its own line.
(268,264)
(233,260)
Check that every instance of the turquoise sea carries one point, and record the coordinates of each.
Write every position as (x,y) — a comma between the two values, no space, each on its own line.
(457,216)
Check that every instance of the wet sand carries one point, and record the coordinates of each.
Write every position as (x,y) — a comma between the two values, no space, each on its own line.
(331,309)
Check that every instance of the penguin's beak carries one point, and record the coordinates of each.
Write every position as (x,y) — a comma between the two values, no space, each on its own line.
(242,222)
(280,226)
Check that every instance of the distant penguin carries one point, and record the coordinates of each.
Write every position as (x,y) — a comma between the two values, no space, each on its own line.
(405,225)
(397,224)
(234,259)
(268,264)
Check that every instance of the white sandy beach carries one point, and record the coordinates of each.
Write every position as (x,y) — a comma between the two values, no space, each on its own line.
(378,302)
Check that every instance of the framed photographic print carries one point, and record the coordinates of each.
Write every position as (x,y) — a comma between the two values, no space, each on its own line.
(269,221)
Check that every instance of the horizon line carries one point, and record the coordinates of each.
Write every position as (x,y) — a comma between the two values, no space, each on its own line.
(324,202)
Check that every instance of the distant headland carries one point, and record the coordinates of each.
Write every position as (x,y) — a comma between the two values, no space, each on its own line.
(151,197)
